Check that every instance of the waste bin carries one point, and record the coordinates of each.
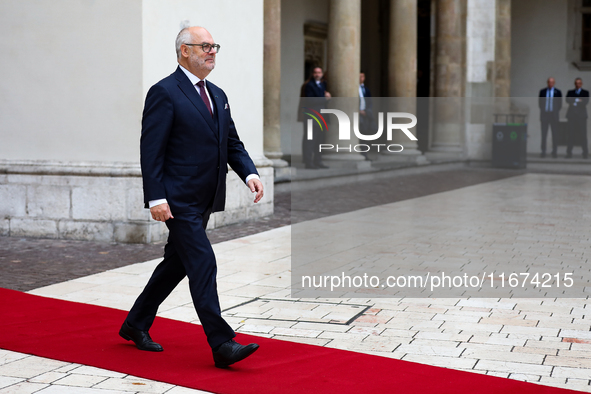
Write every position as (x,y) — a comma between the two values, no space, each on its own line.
(509,147)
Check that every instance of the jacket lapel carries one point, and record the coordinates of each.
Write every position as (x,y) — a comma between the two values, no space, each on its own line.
(216,97)
(318,89)
(191,92)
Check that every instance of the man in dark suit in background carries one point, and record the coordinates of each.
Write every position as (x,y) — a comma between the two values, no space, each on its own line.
(315,87)
(188,138)
(578,98)
(550,103)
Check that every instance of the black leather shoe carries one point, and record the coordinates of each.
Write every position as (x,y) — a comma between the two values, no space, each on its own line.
(141,338)
(543,155)
(311,167)
(554,155)
(231,352)
(321,165)
(568,156)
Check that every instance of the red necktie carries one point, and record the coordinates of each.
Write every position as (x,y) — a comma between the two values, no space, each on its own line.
(203,95)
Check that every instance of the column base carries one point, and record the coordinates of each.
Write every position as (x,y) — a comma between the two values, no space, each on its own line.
(444,155)
(282,171)
(446,148)
(343,156)
(273,155)
(406,156)
(346,160)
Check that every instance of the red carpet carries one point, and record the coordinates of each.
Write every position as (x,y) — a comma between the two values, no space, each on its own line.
(87,334)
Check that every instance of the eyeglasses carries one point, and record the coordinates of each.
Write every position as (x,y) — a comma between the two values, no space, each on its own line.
(207,47)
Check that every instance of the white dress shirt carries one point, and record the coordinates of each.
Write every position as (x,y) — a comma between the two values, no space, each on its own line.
(577,91)
(361,98)
(194,80)
(549,97)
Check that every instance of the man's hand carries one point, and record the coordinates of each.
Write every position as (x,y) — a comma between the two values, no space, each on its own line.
(161,212)
(327,95)
(362,112)
(256,185)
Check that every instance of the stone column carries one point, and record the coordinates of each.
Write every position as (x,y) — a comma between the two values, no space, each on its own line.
(344,47)
(272,83)
(502,71)
(402,67)
(344,58)
(449,76)
(402,58)
(450,49)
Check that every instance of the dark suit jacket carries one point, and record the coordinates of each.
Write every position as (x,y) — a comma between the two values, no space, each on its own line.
(579,110)
(556,103)
(313,90)
(367,96)
(184,152)
(366,91)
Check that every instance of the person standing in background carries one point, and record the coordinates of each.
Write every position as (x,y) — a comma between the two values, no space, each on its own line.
(578,98)
(365,110)
(550,103)
(315,87)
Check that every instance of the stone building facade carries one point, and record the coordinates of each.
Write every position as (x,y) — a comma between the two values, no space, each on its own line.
(75,73)
(476,51)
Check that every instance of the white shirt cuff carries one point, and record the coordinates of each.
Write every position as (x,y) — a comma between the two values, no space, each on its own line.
(153,203)
(252,176)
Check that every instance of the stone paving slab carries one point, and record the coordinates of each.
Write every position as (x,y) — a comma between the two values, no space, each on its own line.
(23,373)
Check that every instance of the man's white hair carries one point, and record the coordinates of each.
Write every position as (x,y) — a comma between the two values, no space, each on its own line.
(184,37)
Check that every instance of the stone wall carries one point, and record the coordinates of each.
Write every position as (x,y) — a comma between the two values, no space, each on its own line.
(89,201)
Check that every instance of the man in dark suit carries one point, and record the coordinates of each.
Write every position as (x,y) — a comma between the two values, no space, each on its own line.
(550,103)
(315,87)
(578,98)
(188,138)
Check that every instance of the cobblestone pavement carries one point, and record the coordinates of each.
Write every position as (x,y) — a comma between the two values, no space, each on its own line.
(27,263)
(332,200)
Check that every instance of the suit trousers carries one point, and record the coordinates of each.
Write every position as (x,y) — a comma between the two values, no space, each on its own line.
(548,120)
(187,253)
(311,154)
(577,134)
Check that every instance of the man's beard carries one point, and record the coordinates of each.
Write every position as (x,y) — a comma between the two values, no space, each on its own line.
(203,63)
